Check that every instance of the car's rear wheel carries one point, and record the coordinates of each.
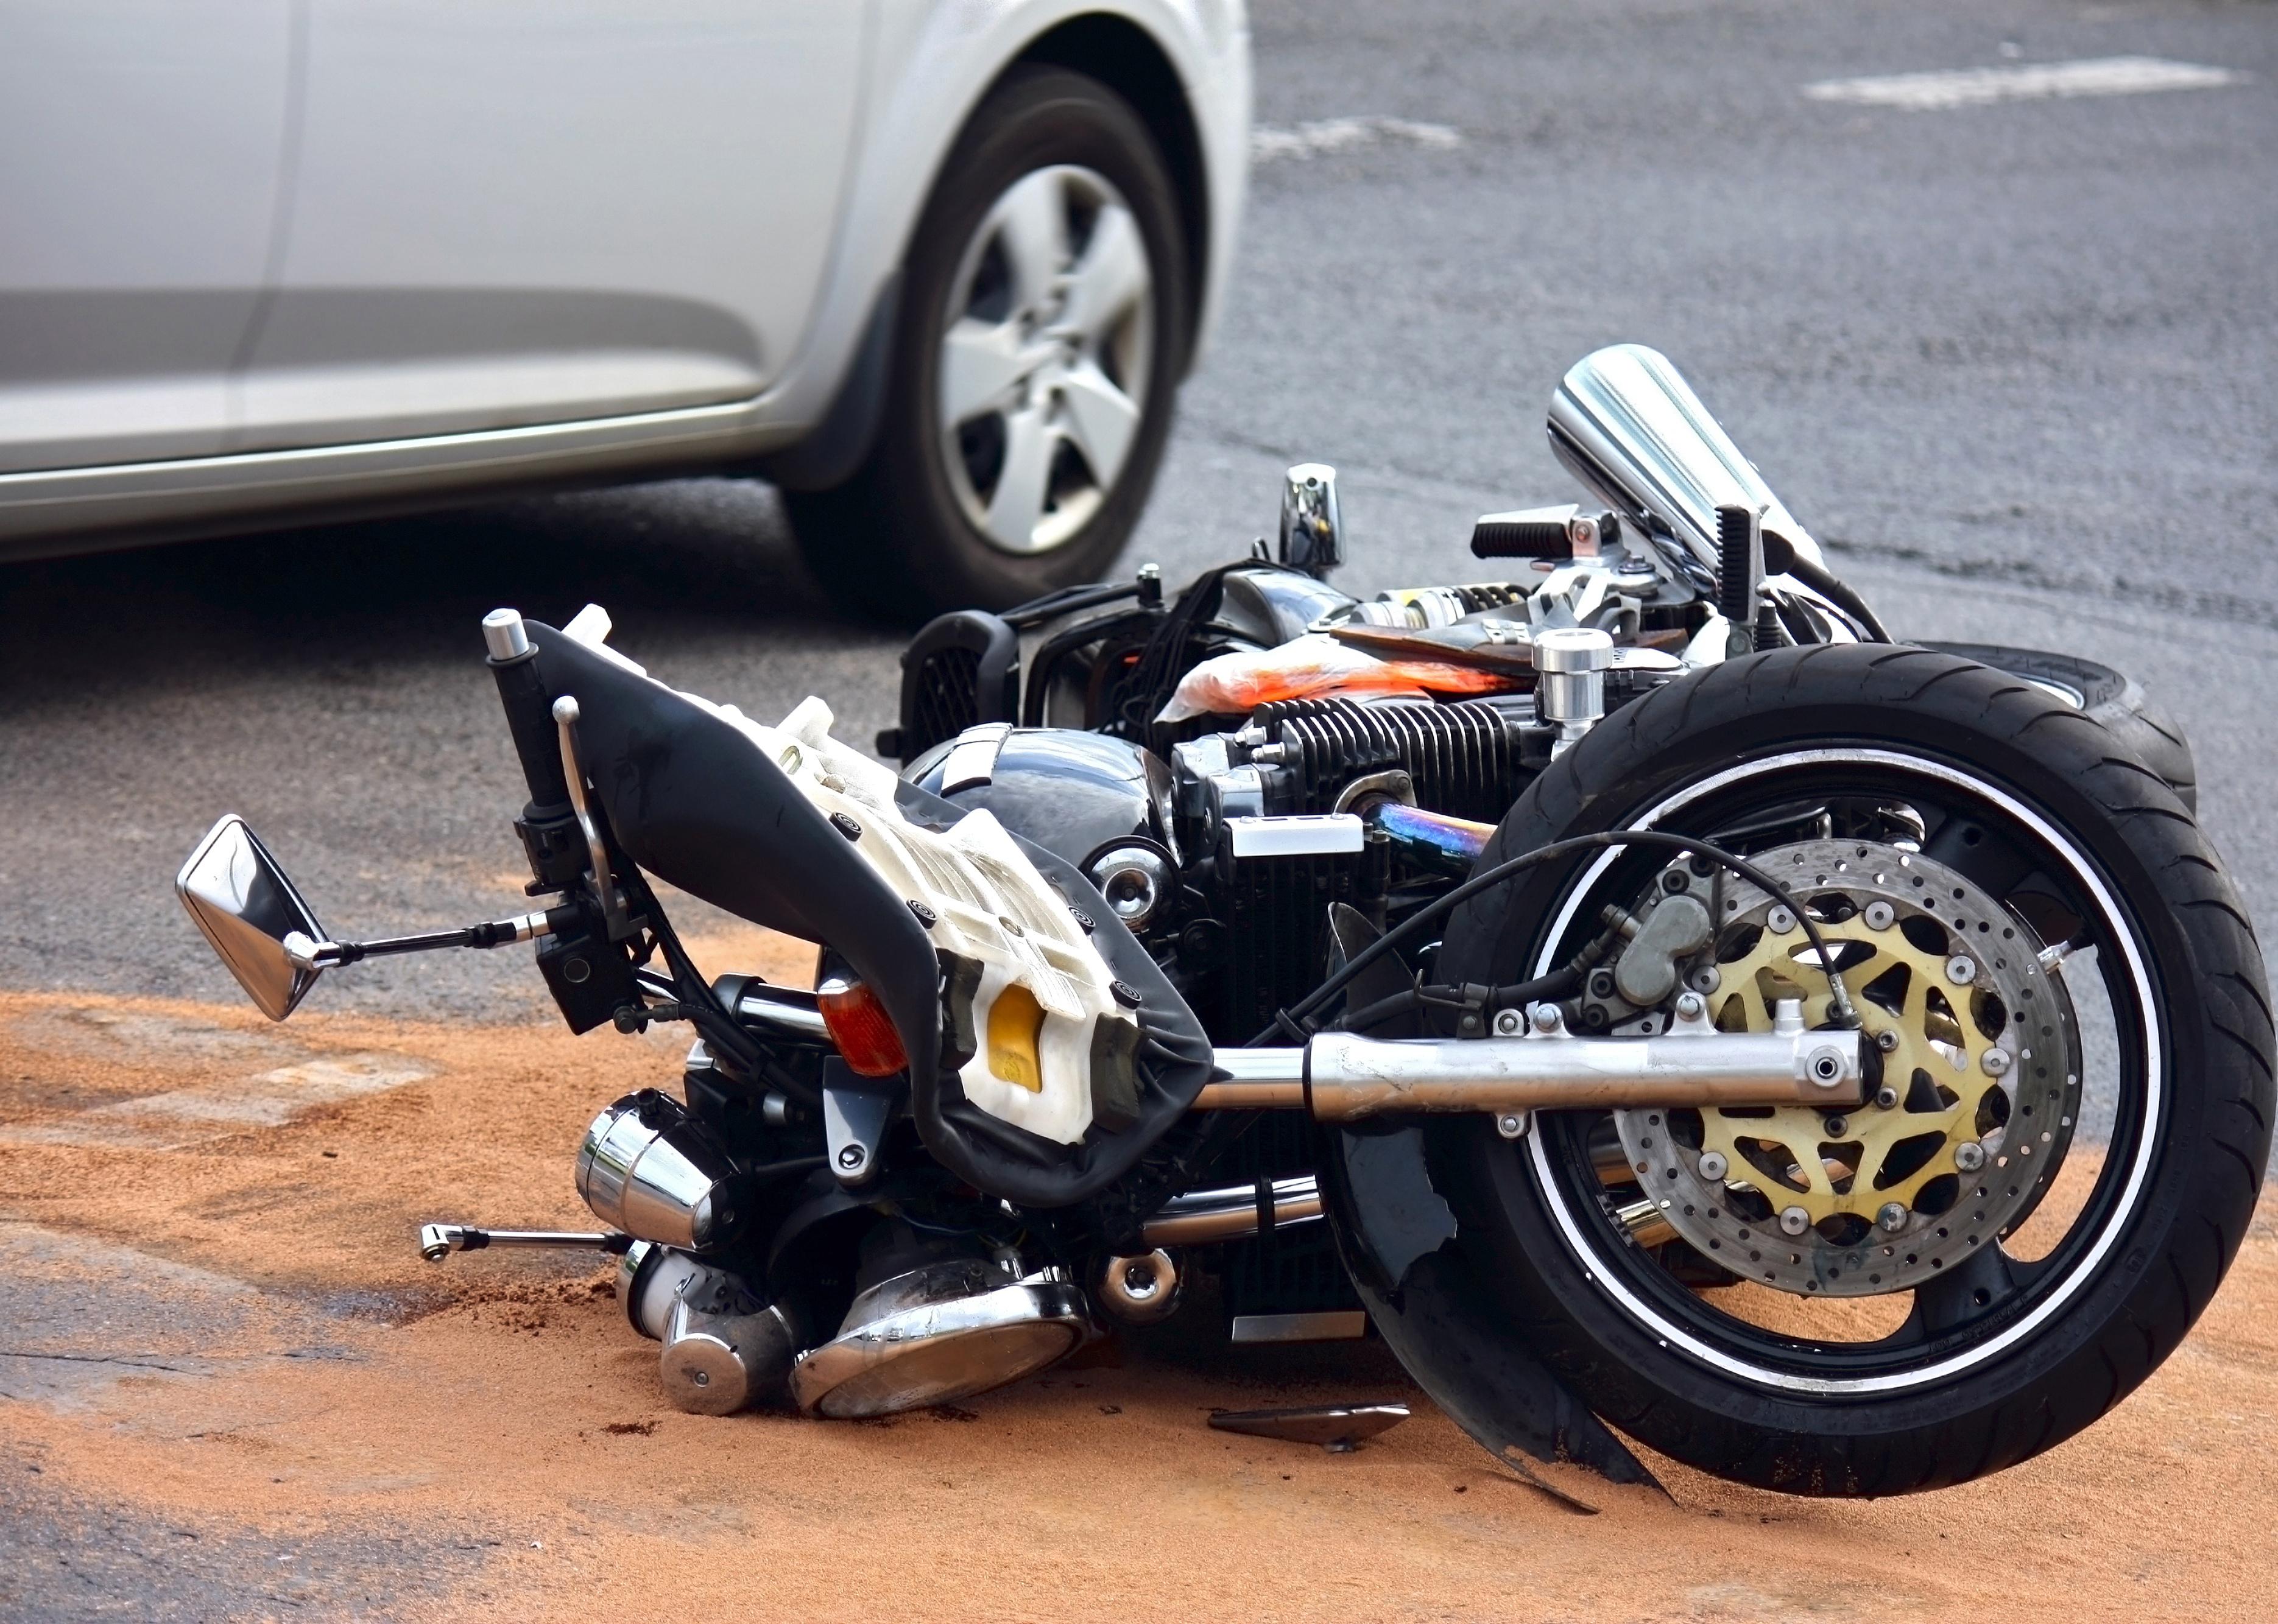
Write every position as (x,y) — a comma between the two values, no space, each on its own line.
(1043,322)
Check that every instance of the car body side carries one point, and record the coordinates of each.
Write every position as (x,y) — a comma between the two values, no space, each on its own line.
(925,65)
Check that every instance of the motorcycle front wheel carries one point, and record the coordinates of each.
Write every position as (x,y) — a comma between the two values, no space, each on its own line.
(1763,1313)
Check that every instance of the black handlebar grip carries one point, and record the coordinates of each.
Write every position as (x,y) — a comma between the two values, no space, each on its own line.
(530,718)
(1511,535)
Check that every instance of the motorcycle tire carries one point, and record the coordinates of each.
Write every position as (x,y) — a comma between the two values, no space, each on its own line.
(902,538)
(2110,697)
(2029,1352)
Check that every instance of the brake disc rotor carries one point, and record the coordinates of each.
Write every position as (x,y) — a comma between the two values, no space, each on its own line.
(1964,1125)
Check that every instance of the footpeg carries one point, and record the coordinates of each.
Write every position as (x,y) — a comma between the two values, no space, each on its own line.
(438,1241)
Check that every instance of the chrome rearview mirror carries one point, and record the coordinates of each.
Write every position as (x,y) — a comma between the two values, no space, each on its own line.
(252,916)
(1627,424)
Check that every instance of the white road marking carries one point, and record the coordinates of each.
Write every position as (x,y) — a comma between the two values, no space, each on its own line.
(1269,142)
(2027,82)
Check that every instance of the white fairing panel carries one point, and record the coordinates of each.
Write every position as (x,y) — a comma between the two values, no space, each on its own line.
(528,212)
(992,905)
(989,906)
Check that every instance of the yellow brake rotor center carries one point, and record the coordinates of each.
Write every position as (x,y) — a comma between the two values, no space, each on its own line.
(1971,1059)
(1928,1034)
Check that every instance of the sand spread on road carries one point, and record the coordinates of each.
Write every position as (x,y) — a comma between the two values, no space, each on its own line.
(501,1402)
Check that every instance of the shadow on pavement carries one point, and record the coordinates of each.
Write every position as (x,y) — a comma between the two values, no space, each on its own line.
(692,557)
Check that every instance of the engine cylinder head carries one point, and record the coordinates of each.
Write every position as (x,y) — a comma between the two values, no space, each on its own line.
(1462,758)
(722,1350)
(715,1364)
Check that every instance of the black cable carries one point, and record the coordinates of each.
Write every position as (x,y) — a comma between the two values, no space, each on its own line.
(1782,558)
(1291,1020)
(1558,984)
(714,1020)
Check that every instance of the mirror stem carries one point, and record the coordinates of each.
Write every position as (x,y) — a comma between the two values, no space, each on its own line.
(310,954)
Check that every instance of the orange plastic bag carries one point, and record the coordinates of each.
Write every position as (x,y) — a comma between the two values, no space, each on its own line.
(1316,667)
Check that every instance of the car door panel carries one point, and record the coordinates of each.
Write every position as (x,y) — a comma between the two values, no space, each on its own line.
(141,145)
(530,212)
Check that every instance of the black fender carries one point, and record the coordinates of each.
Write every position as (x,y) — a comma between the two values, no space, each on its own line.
(1397,1238)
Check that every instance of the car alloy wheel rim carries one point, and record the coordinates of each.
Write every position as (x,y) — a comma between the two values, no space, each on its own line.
(1045,352)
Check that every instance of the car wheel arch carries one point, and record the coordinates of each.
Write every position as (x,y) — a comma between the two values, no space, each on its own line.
(1119,53)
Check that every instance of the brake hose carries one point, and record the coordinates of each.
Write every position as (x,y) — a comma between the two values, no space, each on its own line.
(1292,1022)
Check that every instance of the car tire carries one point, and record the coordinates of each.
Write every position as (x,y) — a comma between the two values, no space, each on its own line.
(933,518)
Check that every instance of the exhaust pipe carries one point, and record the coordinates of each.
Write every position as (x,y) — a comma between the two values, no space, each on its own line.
(1340,1077)
(1201,1216)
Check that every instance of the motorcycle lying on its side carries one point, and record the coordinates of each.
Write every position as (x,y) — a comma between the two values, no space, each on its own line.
(1636,987)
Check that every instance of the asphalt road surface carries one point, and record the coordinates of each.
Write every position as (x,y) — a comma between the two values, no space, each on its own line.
(2016,363)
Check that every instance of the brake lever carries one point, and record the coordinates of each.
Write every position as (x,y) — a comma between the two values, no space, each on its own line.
(573,773)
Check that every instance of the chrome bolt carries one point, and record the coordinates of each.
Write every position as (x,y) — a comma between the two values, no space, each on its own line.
(1962,970)
(1544,1017)
(1826,1068)
(1794,1221)
(1996,1061)
(1893,1217)
(850,1156)
(1780,920)
(1837,1126)
(1712,1165)
(1508,1023)
(1510,1124)
(1970,1156)
(1887,1040)
(1879,915)
(1887,1097)
(1689,1006)
(1707,979)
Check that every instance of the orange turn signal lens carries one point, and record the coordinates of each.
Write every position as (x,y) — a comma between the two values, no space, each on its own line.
(859,1026)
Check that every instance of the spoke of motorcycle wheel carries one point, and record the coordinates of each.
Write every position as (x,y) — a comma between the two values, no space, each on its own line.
(1952,1301)
(1993,863)
(1968,844)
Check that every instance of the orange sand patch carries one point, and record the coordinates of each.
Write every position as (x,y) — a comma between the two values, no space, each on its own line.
(499,1396)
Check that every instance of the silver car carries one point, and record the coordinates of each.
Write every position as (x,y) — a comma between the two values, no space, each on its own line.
(934,267)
